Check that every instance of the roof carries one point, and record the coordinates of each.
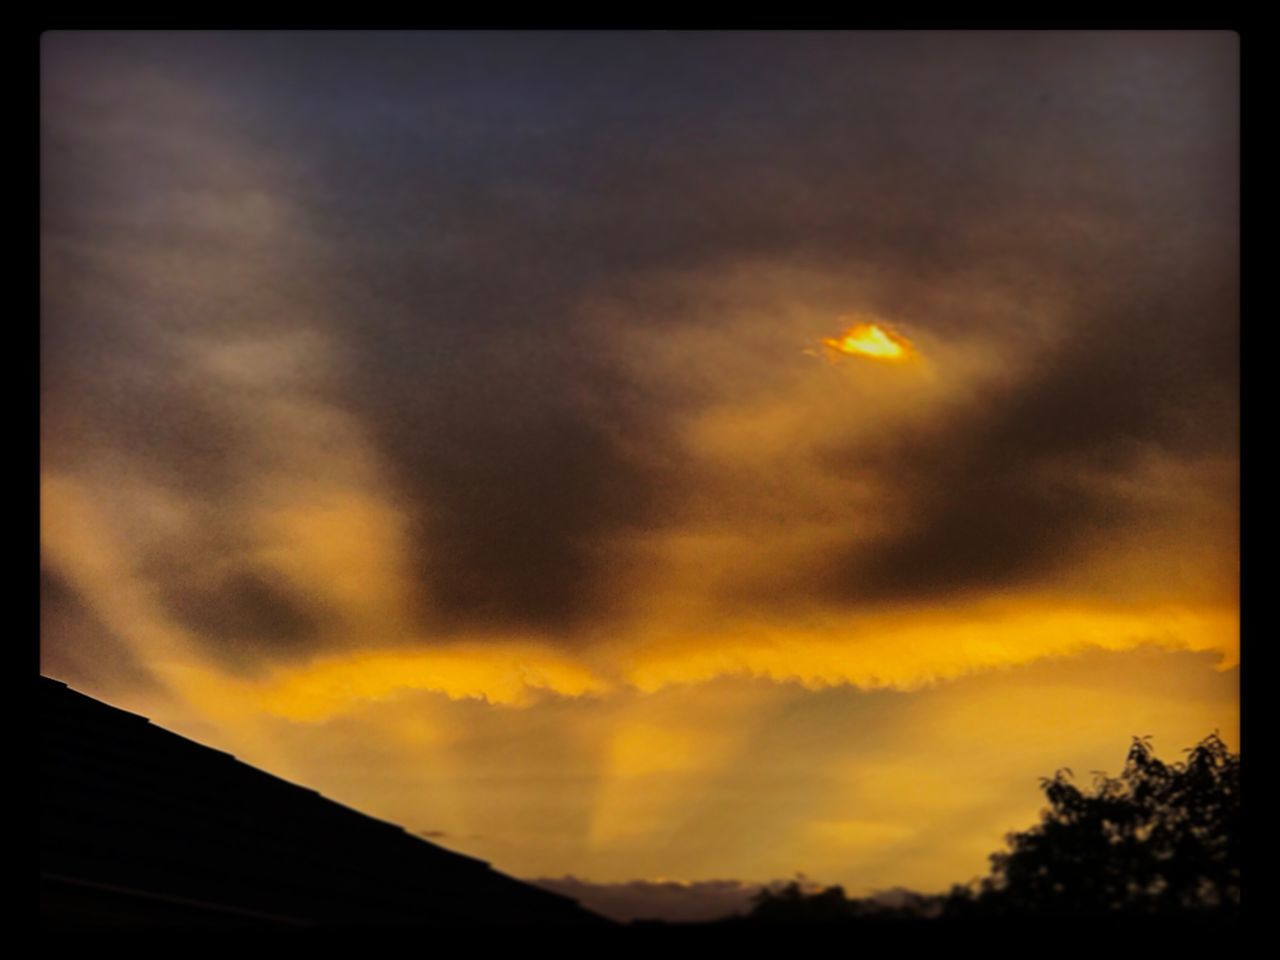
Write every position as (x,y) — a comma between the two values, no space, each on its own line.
(141,825)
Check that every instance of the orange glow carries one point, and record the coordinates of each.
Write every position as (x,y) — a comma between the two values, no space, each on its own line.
(911,652)
(873,341)
(510,674)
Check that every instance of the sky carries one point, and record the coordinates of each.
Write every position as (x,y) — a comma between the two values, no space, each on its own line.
(481,428)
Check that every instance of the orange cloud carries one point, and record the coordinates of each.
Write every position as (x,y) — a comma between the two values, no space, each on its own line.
(508,674)
(909,650)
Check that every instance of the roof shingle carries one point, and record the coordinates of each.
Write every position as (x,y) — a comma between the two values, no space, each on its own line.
(141,825)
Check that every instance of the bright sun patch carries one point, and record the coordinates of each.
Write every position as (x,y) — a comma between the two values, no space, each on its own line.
(872,341)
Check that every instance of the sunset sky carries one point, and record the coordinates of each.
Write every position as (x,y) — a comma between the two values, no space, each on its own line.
(652,456)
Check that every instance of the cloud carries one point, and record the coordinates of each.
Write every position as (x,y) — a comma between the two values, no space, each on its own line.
(476,364)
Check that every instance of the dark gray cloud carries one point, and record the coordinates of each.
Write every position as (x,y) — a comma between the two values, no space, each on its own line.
(243,613)
(454,202)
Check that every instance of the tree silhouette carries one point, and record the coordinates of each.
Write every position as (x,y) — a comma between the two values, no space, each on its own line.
(792,905)
(1158,839)
(829,905)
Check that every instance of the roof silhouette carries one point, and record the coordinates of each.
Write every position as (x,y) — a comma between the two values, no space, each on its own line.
(140,825)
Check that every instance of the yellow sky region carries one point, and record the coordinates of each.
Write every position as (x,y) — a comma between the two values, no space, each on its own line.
(975,742)
(750,779)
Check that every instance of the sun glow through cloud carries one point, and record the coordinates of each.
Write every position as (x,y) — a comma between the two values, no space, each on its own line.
(873,341)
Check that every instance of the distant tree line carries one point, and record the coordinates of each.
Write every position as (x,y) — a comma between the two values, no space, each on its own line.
(1159,840)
